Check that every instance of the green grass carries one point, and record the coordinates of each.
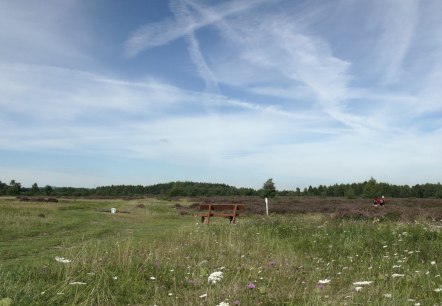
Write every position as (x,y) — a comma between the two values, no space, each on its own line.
(154,256)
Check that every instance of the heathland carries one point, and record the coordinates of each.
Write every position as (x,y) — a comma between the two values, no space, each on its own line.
(309,251)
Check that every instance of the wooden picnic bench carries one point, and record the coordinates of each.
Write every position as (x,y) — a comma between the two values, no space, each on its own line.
(230,211)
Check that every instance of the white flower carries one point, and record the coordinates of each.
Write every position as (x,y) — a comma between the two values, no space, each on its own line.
(362,283)
(438,289)
(223,304)
(62,259)
(357,289)
(115,277)
(152,278)
(215,277)
(397,275)
(387,295)
(170,294)
(433,262)
(324,281)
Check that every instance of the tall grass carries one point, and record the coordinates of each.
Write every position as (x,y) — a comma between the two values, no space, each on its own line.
(153,256)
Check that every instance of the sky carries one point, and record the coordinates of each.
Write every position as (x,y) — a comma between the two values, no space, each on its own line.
(102,92)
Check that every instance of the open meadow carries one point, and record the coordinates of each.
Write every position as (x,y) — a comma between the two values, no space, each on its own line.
(310,251)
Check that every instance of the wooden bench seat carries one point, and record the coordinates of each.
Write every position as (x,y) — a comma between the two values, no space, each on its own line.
(230,211)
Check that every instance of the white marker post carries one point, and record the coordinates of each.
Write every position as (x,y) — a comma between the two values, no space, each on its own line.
(267,206)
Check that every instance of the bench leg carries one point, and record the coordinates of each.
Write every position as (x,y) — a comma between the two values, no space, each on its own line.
(205,220)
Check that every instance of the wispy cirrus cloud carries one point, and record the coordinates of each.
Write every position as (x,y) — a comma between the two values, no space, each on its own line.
(183,17)
(397,21)
(160,33)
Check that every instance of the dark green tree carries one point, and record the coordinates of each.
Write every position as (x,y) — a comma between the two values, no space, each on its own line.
(34,189)
(48,190)
(349,193)
(14,188)
(268,189)
(371,189)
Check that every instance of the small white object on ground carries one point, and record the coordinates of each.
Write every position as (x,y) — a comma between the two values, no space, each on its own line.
(62,259)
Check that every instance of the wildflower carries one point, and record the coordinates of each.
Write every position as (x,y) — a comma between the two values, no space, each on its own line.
(170,294)
(396,266)
(362,283)
(251,286)
(433,262)
(215,277)
(357,289)
(62,259)
(438,290)
(324,281)
(223,304)
(387,295)
(397,275)
(236,302)
(115,277)
(152,278)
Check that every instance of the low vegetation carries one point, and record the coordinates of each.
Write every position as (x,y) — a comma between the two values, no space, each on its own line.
(310,251)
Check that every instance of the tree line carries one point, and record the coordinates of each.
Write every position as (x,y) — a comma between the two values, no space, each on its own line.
(367,189)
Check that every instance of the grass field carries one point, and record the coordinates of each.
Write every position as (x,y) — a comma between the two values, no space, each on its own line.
(157,254)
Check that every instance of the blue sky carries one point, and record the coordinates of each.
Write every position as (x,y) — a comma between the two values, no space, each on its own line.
(105,92)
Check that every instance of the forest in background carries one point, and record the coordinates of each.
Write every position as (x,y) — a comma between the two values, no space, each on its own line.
(367,189)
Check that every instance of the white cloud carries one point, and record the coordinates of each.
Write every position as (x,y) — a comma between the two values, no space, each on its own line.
(42,31)
(397,22)
(160,33)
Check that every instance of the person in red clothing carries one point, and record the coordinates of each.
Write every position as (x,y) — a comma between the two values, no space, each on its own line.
(376,201)
(382,201)
(379,202)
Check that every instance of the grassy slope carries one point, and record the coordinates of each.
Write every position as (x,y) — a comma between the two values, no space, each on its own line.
(155,256)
